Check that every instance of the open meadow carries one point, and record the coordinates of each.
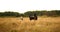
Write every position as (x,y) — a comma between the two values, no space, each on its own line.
(43,24)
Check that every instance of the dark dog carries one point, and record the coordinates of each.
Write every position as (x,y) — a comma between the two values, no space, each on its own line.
(33,17)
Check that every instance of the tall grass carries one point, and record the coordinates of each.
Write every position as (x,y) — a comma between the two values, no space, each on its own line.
(40,25)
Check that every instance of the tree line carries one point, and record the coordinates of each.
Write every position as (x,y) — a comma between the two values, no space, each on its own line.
(51,13)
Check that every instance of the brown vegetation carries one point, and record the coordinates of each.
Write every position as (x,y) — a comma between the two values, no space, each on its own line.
(43,24)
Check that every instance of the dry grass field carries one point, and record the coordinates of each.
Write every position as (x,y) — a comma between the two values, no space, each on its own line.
(43,24)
